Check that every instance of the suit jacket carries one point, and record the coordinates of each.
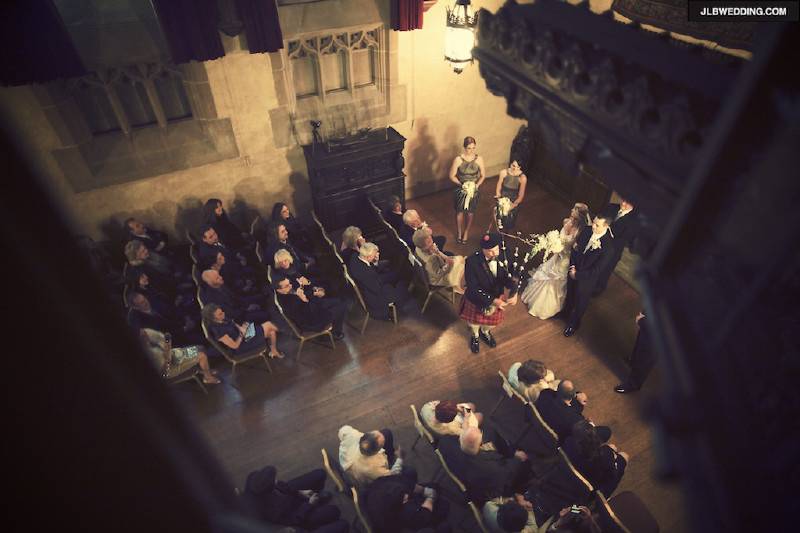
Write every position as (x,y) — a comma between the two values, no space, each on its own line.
(558,415)
(590,266)
(150,239)
(407,233)
(625,229)
(308,316)
(482,287)
(207,254)
(486,475)
(376,294)
(230,303)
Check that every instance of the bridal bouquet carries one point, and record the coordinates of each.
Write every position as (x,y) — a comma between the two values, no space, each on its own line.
(468,191)
(504,206)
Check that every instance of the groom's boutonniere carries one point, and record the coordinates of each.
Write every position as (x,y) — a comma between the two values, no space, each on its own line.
(595,245)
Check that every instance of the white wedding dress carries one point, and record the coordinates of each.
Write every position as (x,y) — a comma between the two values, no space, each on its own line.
(547,287)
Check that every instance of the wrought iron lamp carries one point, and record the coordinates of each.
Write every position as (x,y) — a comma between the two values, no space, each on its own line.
(460,35)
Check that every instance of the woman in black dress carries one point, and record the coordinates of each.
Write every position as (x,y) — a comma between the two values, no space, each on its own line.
(214,215)
(234,336)
(281,214)
(468,172)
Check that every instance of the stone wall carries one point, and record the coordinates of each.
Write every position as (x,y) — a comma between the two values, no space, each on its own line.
(430,105)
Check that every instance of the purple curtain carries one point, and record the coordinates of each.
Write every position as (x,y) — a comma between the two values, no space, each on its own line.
(406,15)
(35,47)
(261,25)
(190,28)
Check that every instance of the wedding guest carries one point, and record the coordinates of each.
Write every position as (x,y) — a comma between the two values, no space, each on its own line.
(511,185)
(563,407)
(572,519)
(352,239)
(589,258)
(252,308)
(412,222)
(530,378)
(443,270)
(602,464)
(138,280)
(509,514)
(285,266)
(155,241)
(397,503)
(240,285)
(642,360)
(240,337)
(364,457)
(210,245)
(299,502)
(624,220)
(547,287)
(279,240)
(448,417)
(174,361)
(154,264)
(145,313)
(215,216)
(467,168)
(378,290)
(393,214)
(300,238)
(309,308)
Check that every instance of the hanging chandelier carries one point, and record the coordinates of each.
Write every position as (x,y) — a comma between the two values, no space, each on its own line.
(459,38)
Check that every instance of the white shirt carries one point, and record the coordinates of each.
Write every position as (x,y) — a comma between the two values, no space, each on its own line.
(493,267)
(621,213)
(454,427)
(360,468)
(594,238)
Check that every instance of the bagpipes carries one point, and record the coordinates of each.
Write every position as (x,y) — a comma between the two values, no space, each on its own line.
(514,265)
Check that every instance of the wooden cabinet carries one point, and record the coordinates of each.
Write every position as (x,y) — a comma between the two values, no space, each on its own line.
(340,177)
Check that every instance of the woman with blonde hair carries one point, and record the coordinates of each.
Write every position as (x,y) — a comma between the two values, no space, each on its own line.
(547,288)
(443,270)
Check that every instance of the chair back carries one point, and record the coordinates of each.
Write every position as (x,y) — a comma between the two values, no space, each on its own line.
(608,520)
(326,237)
(450,474)
(269,275)
(191,238)
(125,291)
(260,253)
(478,517)
(625,513)
(226,352)
(193,255)
(419,425)
(561,486)
(362,518)
(510,390)
(295,330)
(356,290)
(196,275)
(412,258)
(254,225)
(543,428)
(334,477)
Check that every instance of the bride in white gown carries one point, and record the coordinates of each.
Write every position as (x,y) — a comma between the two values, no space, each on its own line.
(547,287)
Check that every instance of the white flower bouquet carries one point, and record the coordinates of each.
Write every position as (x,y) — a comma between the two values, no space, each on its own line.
(468,191)
(504,206)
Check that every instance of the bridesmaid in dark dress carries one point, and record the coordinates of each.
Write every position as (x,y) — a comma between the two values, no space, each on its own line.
(467,167)
(510,184)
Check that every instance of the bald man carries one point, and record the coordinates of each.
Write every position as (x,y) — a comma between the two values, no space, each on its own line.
(239,308)
(563,407)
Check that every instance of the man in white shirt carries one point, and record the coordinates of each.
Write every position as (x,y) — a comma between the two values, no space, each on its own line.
(364,456)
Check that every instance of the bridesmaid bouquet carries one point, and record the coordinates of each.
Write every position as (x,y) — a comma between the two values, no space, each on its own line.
(503,206)
(467,191)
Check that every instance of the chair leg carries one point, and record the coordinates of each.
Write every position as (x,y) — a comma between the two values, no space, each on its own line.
(502,397)
(394,314)
(364,325)
(522,435)
(427,299)
(200,383)
(330,338)
(300,347)
(453,295)
(233,371)
(266,361)
(415,441)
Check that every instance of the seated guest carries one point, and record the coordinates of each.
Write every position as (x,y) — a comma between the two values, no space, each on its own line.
(411,223)
(509,515)
(138,280)
(299,502)
(215,216)
(378,290)
(393,214)
(281,214)
(155,241)
(352,239)
(563,407)
(530,378)
(285,266)
(309,308)
(443,270)
(279,239)
(448,417)
(240,308)
(154,264)
(241,338)
(151,315)
(241,285)
(486,474)
(572,519)
(397,503)
(172,362)
(208,248)
(601,463)
(364,457)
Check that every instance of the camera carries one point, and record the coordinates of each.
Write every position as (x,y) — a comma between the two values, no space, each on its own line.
(315,123)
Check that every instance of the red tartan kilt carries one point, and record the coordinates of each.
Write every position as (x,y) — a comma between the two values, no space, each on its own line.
(473,314)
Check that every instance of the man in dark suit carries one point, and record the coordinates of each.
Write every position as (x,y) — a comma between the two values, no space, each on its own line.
(378,290)
(279,239)
(643,359)
(309,308)
(563,407)
(624,229)
(239,308)
(208,248)
(487,474)
(160,316)
(155,241)
(589,259)
(490,287)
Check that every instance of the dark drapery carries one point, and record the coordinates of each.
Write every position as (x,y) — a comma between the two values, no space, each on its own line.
(190,28)
(406,15)
(261,25)
(35,47)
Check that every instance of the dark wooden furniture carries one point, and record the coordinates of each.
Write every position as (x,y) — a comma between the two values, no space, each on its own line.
(341,177)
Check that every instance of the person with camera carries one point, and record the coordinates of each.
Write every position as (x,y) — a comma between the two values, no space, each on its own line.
(448,417)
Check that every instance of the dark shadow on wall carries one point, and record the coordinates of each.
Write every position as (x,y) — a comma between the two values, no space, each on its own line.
(189,216)
(301,195)
(422,156)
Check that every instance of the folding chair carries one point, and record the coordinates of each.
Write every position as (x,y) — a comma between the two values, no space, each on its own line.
(458,483)
(326,237)
(298,332)
(360,516)
(362,303)
(188,375)
(191,238)
(193,255)
(236,359)
(335,478)
(624,513)
(422,431)
(476,513)
(422,279)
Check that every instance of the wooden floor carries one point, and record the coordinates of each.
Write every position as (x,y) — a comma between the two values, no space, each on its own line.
(369,381)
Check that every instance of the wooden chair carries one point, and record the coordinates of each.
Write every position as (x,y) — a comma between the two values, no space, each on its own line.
(422,430)
(624,513)
(331,473)
(476,513)
(548,435)
(457,482)
(193,255)
(422,279)
(362,303)
(326,237)
(188,375)
(508,392)
(237,359)
(360,516)
(301,335)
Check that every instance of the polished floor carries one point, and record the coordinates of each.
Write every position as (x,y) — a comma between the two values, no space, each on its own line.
(369,381)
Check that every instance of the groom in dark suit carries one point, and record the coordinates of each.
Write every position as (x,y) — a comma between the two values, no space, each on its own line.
(624,220)
(589,259)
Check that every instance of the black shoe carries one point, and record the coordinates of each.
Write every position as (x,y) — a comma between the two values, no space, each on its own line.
(323,497)
(338,336)
(624,388)
(473,345)
(488,339)
(569,332)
